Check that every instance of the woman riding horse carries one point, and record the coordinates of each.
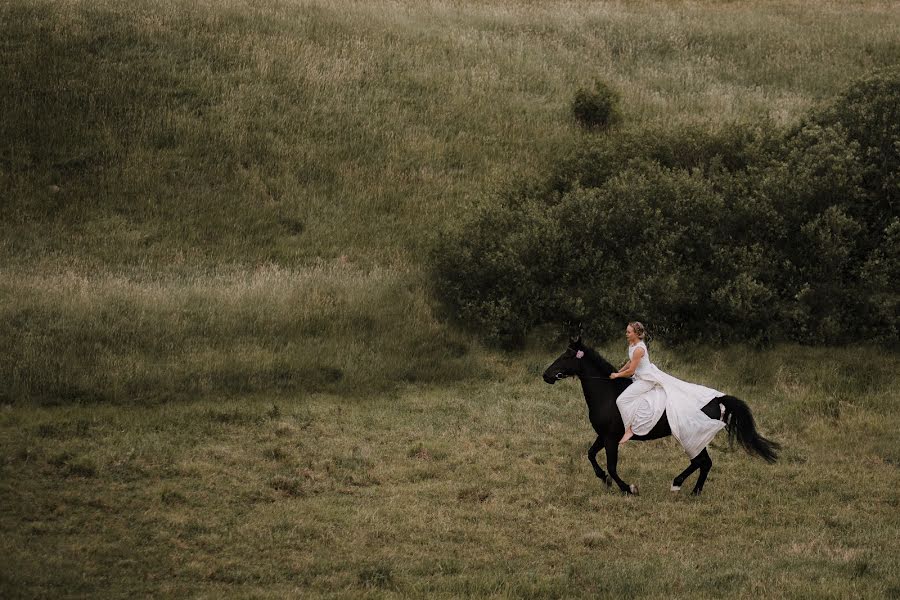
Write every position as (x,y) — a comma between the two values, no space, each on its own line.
(653,391)
(601,389)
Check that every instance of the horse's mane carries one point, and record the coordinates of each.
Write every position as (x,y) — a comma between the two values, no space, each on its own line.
(598,361)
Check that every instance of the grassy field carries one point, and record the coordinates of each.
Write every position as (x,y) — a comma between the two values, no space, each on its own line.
(221,369)
(472,490)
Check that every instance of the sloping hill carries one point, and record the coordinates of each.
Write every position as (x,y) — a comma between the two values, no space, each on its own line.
(171,167)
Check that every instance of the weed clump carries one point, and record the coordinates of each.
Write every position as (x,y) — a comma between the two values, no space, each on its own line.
(379,576)
(291,486)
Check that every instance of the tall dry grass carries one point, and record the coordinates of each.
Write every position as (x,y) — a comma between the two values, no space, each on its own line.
(75,338)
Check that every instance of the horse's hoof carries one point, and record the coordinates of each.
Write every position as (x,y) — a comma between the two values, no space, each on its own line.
(633,489)
(608,481)
(675,488)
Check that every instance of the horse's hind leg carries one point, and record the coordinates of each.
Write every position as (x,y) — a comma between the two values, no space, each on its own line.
(705,465)
(703,462)
(679,480)
(592,456)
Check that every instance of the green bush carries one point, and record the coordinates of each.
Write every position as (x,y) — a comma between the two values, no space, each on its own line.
(597,107)
(869,113)
(485,267)
(880,274)
(743,234)
(598,158)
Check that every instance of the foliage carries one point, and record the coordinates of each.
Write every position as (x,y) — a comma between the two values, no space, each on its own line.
(597,107)
(740,234)
(869,112)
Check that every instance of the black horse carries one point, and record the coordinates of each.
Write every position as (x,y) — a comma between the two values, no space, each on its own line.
(601,392)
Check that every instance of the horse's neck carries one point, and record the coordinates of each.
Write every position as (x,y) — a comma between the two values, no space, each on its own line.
(598,388)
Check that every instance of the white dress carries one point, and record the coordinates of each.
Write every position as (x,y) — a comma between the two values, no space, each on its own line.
(653,391)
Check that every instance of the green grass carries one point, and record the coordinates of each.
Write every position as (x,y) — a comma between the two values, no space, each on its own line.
(221,370)
(479,489)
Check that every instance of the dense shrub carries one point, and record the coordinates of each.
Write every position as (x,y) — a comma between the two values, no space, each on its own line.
(599,158)
(596,107)
(487,268)
(748,233)
(881,275)
(869,113)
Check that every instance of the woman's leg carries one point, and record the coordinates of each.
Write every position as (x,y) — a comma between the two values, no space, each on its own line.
(629,404)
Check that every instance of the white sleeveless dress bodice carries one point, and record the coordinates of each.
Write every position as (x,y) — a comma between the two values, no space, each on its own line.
(644,368)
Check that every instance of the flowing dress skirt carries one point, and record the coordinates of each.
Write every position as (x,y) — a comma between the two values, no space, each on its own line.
(643,402)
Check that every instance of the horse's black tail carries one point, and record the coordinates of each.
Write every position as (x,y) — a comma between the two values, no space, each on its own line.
(740,426)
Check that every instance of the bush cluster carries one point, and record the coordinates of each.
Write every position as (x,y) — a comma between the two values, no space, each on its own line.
(751,233)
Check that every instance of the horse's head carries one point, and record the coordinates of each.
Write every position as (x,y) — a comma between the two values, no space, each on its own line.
(569,363)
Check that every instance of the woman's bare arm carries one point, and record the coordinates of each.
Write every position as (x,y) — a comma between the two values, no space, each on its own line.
(629,369)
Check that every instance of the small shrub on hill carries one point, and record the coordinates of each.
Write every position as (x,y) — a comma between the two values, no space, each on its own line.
(596,107)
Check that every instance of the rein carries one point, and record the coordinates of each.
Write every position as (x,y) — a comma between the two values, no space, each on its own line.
(579,355)
(560,377)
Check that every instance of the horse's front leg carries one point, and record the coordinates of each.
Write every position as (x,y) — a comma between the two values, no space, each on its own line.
(592,456)
(612,459)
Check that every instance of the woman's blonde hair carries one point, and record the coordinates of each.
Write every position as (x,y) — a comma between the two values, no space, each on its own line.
(639,329)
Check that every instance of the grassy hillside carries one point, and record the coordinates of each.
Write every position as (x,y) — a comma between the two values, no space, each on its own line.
(201,133)
(199,188)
